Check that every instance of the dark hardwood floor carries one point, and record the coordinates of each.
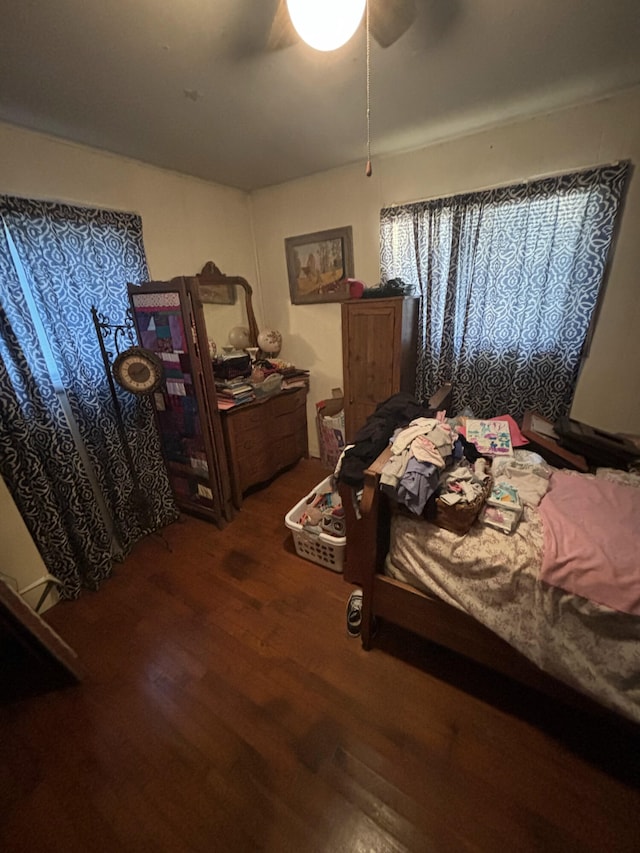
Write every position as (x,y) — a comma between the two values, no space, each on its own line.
(225,709)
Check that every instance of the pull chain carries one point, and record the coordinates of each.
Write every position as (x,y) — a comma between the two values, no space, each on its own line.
(369,170)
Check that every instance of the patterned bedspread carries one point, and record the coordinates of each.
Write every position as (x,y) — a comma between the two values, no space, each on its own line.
(495,578)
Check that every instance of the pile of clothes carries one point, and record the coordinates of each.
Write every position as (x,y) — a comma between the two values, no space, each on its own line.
(429,456)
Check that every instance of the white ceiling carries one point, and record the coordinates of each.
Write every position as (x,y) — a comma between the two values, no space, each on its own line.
(188,85)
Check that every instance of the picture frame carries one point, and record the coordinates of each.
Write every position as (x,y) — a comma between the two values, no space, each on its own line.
(319,264)
(218,294)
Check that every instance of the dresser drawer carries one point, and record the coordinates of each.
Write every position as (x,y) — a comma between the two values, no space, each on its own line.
(264,437)
(287,404)
(245,417)
(249,439)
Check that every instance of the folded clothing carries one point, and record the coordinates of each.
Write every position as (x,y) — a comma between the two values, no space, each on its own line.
(527,472)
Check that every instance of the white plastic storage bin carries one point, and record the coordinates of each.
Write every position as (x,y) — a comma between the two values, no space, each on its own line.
(327,551)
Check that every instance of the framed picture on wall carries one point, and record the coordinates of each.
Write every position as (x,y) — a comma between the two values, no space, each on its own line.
(319,264)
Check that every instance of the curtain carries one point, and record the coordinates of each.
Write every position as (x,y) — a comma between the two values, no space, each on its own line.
(37,457)
(68,260)
(509,281)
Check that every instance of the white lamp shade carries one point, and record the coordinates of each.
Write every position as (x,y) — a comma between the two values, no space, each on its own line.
(239,337)
(326,24)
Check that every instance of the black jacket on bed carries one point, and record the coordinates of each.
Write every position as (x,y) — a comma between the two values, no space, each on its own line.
(395,412)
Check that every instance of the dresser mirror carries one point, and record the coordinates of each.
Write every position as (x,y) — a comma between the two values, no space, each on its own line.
(227,304)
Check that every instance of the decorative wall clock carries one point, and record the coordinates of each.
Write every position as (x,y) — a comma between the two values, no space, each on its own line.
(138,370)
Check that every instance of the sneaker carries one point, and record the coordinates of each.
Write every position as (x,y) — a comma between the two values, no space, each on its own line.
(354,613)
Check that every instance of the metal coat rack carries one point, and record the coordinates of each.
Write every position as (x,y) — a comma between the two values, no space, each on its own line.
(114,338)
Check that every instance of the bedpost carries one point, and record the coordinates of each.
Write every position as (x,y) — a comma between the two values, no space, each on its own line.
(367,525)
(376,511)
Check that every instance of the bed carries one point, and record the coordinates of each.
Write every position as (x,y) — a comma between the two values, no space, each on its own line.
(481,595)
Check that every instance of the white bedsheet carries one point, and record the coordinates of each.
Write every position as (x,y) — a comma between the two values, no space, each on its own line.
(495,578)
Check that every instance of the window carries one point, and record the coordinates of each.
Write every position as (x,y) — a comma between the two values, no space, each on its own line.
(509,281)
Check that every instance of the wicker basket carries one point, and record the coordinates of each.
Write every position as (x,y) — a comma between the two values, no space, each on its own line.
(458,517)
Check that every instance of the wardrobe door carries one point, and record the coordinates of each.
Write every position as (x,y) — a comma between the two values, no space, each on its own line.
(167,322)
(379,340)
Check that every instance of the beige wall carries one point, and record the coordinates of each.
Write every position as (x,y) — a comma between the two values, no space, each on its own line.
(185,221)
(21,565)
(608,390)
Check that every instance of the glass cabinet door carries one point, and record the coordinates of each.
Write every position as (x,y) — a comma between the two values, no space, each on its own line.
(163,314)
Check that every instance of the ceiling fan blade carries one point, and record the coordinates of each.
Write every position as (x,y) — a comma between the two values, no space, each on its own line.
(389,19)
(282,33)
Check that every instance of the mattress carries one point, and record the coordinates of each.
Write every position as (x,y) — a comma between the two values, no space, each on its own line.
(494,578)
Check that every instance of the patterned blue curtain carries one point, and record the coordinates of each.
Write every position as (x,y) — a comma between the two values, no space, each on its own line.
(71,259)
(509,279)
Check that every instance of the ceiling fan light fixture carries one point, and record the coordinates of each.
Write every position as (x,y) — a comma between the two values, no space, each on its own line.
(326,24)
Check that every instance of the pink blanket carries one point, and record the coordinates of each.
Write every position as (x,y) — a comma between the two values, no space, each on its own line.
(592,540)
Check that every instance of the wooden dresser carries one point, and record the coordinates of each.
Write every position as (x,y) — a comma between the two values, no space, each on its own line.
(264,437)
(379,347)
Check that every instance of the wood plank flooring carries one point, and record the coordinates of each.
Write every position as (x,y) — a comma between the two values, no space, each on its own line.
(225,709)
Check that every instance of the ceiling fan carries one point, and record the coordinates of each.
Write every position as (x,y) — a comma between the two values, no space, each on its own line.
(388,20)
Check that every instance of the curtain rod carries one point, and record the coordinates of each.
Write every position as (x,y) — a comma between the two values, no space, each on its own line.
(529,180)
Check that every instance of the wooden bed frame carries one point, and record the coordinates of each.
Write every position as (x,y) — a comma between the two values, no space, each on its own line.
(395,602)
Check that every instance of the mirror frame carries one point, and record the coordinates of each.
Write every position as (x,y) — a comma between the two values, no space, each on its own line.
(210,275)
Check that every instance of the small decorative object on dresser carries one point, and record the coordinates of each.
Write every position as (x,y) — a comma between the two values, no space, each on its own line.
(270,341)
(239,337)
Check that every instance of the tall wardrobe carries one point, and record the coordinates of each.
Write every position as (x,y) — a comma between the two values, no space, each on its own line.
(379,354)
